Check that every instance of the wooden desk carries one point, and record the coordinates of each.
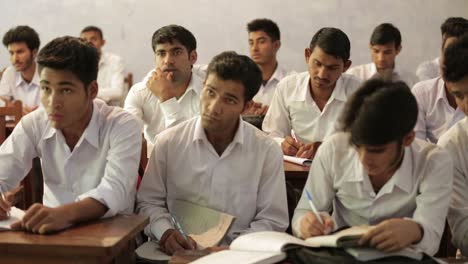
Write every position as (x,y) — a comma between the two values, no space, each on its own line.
(104,241)
(296,174)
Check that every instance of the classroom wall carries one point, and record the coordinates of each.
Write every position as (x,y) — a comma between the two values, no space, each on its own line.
(220,25)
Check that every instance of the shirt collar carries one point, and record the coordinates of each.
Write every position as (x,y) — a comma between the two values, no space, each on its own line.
(35,80)
(337,94)
(440,87)
(278,74)
(396,70)
(200,134)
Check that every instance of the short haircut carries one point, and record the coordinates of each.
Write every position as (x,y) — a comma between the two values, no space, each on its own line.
(171,33)
(22,34)
(454,26)
(231,66)
(332,41)
(71,54)
(379,112)
(384,34)
(455,66)
(93,28)
(266,25)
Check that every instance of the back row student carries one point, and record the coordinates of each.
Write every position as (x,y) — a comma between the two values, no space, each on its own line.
(375,172)
(89,151)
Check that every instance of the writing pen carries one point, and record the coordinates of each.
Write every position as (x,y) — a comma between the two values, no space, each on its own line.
(178,227)
(312,206)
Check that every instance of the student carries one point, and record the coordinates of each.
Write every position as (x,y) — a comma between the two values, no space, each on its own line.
(111,69)
(264,43)
(89,151)
(455,140)
(451,27)
(217,160)
(172,93)
(309,103)
(385,45)
(20,81)
(375,172)
(438,110)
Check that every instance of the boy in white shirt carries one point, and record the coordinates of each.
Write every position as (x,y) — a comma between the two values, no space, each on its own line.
(376,173)
(89,151)
(217,161)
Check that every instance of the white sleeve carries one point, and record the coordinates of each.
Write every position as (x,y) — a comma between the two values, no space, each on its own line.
(277,123)
(117,90)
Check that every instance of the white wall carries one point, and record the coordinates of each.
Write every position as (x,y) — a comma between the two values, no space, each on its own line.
(220,25)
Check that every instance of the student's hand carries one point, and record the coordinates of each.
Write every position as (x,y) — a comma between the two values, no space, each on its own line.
(160,84)
(308,151)
(5,205)
(290,146)
(41,219)
(172,241)
(310,225)
(255,109)
(393,235)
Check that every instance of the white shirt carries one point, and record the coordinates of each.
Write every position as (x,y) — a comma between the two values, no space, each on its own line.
(435,113)
(266,92)
(111,78)
(13,85)
(429,69)
(420,189)
(455,141)
(103,165)
(246,181)
(158,116)
(293,107)
(369,71)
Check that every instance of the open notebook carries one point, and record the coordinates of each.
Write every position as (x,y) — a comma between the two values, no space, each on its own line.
(297,160)
(15,215)
(269,247)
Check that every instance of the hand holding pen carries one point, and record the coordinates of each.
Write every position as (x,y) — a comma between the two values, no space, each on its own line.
(4,207)
(314,223)
(175,239)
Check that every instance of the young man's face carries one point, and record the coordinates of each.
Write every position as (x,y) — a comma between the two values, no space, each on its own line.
(383,56)
(262,48)
(460,91)
(94,38)
(222,102)
(64,97)
(21,57)
(174,57)
(324,69)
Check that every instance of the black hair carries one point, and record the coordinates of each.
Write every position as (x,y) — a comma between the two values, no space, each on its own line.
(266,25)
(453,27)
(171,33)
(455,66)
(229,65)
(22,34)
(93,28)
(332,41)
(379,112)
(384,34)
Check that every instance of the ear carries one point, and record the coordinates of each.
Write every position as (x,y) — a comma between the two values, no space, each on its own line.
(398,50)
(103,42)
(34,53)
(346,65)
(307,53)
(277,44)
(409,138)
(93,89)
(193,57)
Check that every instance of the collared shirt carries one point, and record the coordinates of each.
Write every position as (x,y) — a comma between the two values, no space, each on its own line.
(435,115)
(266,92)
(158,116)
(369,71)
(293,107)
(103,165)
(419,189)
(455,141)
(13,85)
(110,79)
(246,181)
(429,69)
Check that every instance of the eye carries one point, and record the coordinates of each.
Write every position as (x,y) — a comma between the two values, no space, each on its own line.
(231,101)
(45,89)
(210,92)
(177,52)
(160,54)
(66,91)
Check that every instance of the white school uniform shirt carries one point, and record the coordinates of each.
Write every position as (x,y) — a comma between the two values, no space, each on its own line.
(369,71)
(435,114)
(293,108)
(455,141)
(158,116)
(419,190)
(266,92)
(111,76)
(246,181)
(13,85)
(429,69)
(103,165)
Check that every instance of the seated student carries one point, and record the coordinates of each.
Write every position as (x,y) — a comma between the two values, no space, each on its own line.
(20,81)
(438,110)
(376,173)
(385,45)
(309,103)
(172,93)
(217,160)
(111,73)
(431,69)
(89,151)
(455,140)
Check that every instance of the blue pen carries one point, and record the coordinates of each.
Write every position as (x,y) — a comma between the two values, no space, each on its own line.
(312,206)
(178,227)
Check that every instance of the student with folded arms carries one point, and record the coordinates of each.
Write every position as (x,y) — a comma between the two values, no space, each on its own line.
(374,172)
